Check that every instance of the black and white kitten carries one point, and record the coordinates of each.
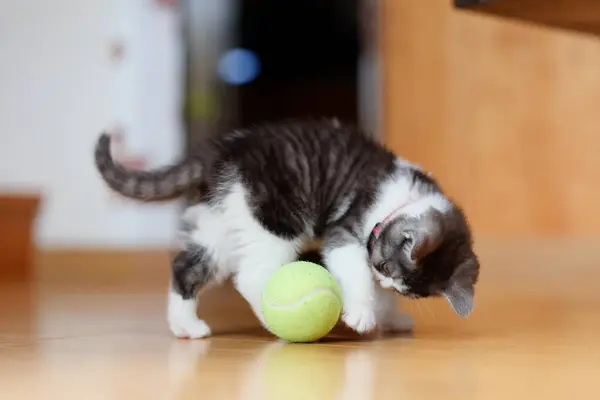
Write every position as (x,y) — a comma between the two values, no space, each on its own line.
(265,192)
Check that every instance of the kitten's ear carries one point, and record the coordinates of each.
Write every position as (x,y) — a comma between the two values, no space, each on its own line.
(461,299)
(461,293)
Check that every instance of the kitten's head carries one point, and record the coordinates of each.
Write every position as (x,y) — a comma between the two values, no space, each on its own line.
(430,254)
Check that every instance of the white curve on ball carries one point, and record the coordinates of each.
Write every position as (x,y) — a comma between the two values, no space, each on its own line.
(296,303)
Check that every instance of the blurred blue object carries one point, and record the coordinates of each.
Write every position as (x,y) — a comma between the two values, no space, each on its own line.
(239,66)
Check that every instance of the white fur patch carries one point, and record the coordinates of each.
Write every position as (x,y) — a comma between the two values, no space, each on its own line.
(420,206)
(388,283)
(349,265)
(404,163)
(239,245)
(392,194)
(182,319)
(397,192)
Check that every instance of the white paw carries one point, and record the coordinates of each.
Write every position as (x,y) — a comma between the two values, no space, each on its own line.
(189,328)
(360,318)
(397,322)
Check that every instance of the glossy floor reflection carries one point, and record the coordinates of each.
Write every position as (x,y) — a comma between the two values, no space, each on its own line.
(86,333)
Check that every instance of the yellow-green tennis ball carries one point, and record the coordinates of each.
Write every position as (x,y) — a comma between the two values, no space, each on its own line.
(301,302)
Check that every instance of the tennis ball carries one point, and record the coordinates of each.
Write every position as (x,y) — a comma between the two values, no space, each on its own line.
(301,302)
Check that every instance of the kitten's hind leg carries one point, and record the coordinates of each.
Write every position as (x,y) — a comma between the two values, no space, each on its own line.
(192,270)
(257,265)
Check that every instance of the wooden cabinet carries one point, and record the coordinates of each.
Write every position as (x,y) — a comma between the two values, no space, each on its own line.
(578,15)
(504,113)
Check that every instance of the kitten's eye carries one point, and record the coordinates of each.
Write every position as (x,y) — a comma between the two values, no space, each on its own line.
(384,268)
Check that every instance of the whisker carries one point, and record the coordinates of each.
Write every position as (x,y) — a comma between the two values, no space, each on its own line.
(430,312)
(407,307)
(420,309)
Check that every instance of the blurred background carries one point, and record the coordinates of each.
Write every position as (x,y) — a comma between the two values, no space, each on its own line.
(501,106)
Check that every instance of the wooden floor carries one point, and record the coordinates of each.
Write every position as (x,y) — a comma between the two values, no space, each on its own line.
(94,328)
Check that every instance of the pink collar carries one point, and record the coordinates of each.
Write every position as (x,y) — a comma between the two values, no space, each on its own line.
(380,225)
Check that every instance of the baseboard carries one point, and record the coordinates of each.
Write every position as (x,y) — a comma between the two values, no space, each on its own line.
(78,265)
(17,217)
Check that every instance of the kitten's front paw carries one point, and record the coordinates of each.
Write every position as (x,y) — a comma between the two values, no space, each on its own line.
(397,322)
(360,318)
(189,328)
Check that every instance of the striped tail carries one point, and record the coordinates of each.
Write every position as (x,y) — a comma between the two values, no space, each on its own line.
(156,185)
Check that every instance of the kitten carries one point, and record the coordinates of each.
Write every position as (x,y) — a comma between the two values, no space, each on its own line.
(264,192)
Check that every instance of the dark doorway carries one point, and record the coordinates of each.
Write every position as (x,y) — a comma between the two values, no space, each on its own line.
(308,52)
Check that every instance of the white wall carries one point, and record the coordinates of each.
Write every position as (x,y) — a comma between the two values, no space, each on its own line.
(60,88)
